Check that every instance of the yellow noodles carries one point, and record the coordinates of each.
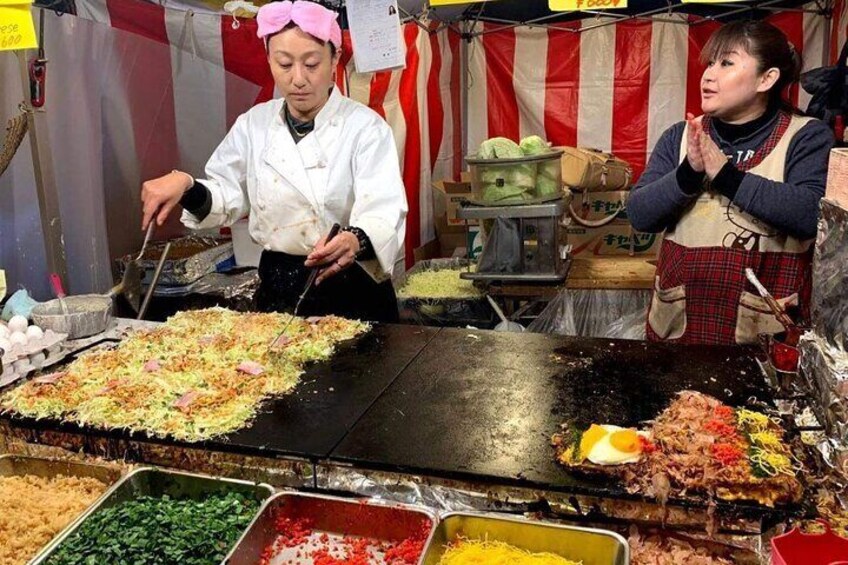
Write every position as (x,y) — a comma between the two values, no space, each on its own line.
(466,551)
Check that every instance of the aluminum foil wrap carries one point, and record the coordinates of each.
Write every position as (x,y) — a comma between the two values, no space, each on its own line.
(229,286)
(830,275)
(190,258)
(75,316)
(445,495)
(824,367)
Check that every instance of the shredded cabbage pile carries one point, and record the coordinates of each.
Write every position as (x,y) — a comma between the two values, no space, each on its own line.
(442,283)
(186,378)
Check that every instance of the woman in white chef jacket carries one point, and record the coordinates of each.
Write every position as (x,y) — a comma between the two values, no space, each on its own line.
(299,166)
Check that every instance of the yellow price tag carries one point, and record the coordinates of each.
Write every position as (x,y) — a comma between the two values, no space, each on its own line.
(17,30)
(579,5)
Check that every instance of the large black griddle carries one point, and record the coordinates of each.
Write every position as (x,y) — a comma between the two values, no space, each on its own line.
(482,406)
(308,422)
(475,406)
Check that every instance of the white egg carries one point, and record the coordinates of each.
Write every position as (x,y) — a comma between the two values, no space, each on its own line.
(4,331)
(18,324)
(19,338)
(38,360)
(34,332)
(603,452)
(5,344)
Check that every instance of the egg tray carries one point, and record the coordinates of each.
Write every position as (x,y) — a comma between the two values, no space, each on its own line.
(20,362)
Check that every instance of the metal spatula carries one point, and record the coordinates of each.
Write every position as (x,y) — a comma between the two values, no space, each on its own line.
(130,285)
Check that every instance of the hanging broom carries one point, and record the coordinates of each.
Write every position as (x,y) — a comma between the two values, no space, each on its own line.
(15,131)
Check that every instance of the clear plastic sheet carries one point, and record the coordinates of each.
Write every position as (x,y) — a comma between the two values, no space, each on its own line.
(447,312)
(830,275)
(595,313)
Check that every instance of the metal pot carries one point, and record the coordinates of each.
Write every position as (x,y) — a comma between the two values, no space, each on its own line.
(77,316)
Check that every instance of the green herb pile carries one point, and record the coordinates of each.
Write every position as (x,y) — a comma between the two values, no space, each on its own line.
(160,530)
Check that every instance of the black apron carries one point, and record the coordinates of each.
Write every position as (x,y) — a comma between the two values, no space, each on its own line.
(352,294)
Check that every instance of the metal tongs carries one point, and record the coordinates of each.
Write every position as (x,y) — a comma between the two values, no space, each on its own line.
(334,231)
(793,332)
(130,285)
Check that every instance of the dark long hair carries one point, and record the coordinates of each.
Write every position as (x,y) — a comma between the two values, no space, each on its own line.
(765,43)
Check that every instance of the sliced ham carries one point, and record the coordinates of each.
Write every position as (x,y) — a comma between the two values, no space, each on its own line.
(206,339)
(50,378)
(109,386)
(152,366)
(185,400)
(281,342)
(250,368)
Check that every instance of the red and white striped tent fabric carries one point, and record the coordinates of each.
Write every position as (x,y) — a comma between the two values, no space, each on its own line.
(613,87)
(420,102)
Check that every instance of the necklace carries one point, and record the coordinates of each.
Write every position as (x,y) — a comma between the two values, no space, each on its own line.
(293,125)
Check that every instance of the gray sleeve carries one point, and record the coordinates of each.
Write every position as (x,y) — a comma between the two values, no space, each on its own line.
(657,201)
(792,206)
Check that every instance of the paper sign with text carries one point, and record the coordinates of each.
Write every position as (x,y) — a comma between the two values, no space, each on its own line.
(577,5)
(376,35)
(17,30)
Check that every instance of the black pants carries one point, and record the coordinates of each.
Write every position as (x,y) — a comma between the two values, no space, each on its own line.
(351,294)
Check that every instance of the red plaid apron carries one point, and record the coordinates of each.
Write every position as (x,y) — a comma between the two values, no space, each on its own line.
(701,293)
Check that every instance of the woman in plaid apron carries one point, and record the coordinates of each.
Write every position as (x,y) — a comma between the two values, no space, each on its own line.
(735,188)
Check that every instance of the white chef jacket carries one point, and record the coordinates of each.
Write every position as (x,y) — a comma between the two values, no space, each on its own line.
(345,171)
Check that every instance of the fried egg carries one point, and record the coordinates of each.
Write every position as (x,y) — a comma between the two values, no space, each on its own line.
(612,445)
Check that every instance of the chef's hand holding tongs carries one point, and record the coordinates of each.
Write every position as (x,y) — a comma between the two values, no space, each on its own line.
(161,195)
(335,255)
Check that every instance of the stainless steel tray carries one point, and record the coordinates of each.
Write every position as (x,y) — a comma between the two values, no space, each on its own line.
(159,482)
(588,546)
(16,465)
(333,516)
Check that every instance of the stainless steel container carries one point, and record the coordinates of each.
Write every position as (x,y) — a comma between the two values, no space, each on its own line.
(77,316)
(159,482)
(19,465)
(333,516)
(584,545)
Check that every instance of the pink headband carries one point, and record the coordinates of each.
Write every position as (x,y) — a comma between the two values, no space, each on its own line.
(314,19)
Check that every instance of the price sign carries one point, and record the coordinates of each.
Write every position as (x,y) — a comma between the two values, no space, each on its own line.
(17,30)
(579,5)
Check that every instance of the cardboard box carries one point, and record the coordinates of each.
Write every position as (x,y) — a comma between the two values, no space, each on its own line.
(595,206)
(612,239)
(450,242)
(837,177)
(447,196)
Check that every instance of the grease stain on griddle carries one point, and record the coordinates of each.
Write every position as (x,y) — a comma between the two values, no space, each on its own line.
(630,384)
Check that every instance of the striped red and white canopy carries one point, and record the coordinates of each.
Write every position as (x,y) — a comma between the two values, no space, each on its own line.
(615,87)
